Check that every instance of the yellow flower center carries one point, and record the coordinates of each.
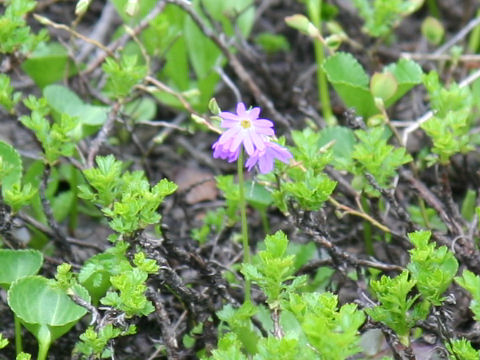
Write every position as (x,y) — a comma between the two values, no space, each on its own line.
(245,123)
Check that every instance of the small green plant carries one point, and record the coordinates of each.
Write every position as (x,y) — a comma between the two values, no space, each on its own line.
(45,309)
(450,125)
(382,16)
(127,199)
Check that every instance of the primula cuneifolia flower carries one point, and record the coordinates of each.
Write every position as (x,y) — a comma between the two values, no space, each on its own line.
(245,128)
(266,158)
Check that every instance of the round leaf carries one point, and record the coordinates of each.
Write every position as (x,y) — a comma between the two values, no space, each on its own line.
(383,86)
(17,264)
(40,306)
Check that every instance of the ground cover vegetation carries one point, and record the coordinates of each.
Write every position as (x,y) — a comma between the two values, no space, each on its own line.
(239,179)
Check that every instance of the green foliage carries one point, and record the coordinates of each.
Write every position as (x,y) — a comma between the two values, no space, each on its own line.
(3,341)
(449,127)
(462,349)
(273,268)
(95,344)
(213,221)
(95,273)
(351,82)
(239,321)
(49,63)
(23,356)
(375,156)
(127,199)
(131,286)
(15,194)
(314,326)
(381,16)
(8,99)
(57,139)
(45,309)
(123,75)
(62,100)
(309,186)
(14,32)
(229,347)
(397,309)
(433,30)
(17,264)
(271,43)
(285,348)
(10,166)
(332,331)
(471,283)
(255,195)
(432,268)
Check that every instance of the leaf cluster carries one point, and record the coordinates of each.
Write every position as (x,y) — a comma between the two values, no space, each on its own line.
(272,268)
(307,185)
(127,199)
(450,126)
(94,344)
(315,326)
(56,138)
(375,156)
(381,16)
(430,271)
(14,32)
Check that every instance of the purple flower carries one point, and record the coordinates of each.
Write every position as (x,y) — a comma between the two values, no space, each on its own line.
(265,158)
(221,152)
(245,128)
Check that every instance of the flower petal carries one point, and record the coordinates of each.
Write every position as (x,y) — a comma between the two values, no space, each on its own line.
(228,135)
(226,115)
(254,113)
(262,123)
(247,142)
(241,109)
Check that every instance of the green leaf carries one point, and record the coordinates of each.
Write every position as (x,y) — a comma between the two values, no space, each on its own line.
(10,167)
(203,54)
(462,349)
(433,30)
(471,282)
(226,11)
(395,304)
(350,82)
(272,43)
(383,85)
(407,73)
(432,268)
(468,205)
(344,141)
(44,309)
(64,100)
(49,63)
(8,99)
(17,264)
(257,196)
(332,331)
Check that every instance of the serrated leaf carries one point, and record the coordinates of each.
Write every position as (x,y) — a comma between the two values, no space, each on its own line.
(408,74)
(350,82)
(17,264)
(10,166)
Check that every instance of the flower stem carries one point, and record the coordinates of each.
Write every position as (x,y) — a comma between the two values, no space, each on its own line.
(243,216)
(314,10)
(18,335)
